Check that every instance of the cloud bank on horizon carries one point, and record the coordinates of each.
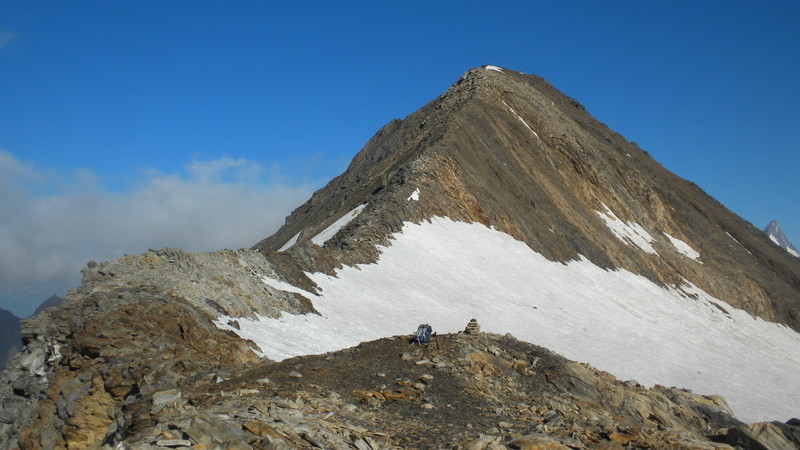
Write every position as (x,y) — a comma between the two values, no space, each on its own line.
(54,223)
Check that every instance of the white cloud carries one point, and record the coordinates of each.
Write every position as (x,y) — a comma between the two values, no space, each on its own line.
(221,203)
(10,166)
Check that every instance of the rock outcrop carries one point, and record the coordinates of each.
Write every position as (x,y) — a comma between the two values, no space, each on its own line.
(88,361)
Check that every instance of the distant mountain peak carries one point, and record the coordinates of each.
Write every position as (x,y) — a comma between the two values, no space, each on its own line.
(53,300)
(776,235)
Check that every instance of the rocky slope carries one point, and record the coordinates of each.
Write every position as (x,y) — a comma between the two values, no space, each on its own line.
(471,391)
(461,391)
(146,350)
(110,345)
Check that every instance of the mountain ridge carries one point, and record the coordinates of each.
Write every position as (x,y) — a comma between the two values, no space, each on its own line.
(449,139)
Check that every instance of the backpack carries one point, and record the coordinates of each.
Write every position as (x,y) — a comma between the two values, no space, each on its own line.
(422,335)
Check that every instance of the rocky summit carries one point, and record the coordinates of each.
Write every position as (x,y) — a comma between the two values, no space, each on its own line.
(500,208)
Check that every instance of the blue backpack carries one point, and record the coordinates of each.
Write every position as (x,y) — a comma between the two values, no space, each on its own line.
(422,335)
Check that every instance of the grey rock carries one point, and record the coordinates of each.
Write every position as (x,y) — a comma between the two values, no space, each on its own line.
(9,410)
(169,397)
(34,361)
(68,396)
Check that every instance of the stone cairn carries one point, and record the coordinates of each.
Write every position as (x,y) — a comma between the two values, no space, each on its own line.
(472,327)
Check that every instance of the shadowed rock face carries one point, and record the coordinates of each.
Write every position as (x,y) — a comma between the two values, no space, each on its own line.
(132,355)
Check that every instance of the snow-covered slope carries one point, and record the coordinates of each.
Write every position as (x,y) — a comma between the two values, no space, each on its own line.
(444,273)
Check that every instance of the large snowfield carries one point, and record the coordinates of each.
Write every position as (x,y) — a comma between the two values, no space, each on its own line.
(444,273)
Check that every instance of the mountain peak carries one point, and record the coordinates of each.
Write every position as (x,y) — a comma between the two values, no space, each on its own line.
(776,235)
(51,301)
(510,151)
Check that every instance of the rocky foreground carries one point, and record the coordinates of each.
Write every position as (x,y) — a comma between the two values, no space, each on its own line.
(469,390)
(461,391)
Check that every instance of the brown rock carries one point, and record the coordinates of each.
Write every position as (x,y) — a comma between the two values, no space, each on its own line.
(89,425)
(261,429)
(117,386)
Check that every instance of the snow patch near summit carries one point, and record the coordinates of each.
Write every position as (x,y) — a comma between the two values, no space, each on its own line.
(495,68)
(334,228)
(627,232)
(444,273)
(414,195)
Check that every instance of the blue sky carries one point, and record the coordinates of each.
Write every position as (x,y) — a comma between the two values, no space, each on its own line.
(201,125)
